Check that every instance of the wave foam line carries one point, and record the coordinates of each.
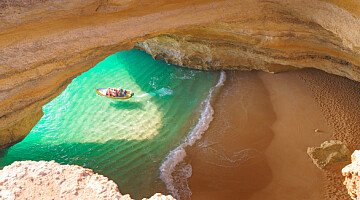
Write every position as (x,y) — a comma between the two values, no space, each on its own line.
(178,154)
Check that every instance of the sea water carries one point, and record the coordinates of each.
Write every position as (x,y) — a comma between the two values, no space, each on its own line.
(128,141)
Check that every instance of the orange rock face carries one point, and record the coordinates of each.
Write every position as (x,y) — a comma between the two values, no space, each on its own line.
(44,44)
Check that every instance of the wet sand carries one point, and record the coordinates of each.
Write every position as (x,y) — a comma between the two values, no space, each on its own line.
(255,148)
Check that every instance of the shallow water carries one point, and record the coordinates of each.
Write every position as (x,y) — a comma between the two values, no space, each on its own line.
(124,140)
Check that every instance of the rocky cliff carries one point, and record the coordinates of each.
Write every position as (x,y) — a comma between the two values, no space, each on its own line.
(44,44)
(50,180)
(274,37)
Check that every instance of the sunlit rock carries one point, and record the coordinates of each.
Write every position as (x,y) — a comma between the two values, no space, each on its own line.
(50,180)
(352,178)
(329,153)
(45,44)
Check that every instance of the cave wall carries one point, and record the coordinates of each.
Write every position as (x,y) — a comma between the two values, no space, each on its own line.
(44,44)
(274,37)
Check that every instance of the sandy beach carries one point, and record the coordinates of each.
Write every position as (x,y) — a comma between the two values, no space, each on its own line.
(255,148)
(339,101)
(262,123)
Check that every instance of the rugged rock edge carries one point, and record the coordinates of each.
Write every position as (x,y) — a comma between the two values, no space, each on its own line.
(329,153)
(50,180)
(45,44)
(351,173)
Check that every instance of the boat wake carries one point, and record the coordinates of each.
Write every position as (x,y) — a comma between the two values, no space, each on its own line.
(142,95)
(178,185)
(164,92)
(160,92)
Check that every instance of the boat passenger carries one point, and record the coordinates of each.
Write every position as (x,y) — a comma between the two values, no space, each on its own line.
(108,92)
(121,92)
(113,92)
(125,92)
(118,90)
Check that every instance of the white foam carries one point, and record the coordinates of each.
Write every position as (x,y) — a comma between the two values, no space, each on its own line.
(160,92)
(142,95)
(177,155)
(164,91)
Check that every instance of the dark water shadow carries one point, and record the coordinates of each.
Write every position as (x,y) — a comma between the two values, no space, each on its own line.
(127,105)
(3,152)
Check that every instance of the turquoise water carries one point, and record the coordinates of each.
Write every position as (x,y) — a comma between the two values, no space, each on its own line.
(124,140)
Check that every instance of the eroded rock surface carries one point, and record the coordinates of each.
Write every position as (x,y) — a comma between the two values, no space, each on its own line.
(352,178)
(275,37)
(329,153)
(50,180)
(44,44)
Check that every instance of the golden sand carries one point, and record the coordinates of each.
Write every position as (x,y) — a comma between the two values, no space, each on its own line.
(339,101)
(255,148)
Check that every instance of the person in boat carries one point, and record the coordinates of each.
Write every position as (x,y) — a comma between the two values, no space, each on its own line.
(121,92)
(125,93)
(108,92)
(113,92)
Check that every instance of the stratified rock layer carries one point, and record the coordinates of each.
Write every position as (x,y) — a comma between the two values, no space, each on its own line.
(274,43)
(329,153)
(50,180)
(352,178)
(44,44)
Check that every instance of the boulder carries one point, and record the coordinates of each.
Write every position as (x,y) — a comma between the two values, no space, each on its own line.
(329,153)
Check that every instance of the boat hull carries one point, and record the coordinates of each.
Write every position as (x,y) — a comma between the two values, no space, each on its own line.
(102,92)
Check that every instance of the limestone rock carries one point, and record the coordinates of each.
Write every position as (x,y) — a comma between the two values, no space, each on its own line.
(329,153)
(352,178)
(50,180)
(225,46)
(44,44)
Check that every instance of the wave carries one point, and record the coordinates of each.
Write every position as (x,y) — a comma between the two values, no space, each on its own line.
(178,154)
